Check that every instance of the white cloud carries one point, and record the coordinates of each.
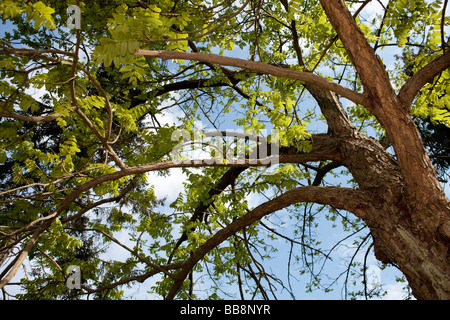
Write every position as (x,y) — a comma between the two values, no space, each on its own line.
(168,186)
(170,117)
(394,291)
(371,9)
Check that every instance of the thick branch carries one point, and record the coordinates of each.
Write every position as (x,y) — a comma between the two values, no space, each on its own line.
(260,67)
(373,75)
(323,149)
(410,89)
(337,119)
(352,200)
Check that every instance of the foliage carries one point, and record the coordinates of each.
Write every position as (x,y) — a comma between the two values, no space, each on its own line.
(80,106)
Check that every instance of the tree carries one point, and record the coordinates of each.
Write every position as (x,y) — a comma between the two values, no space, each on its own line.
(75,161)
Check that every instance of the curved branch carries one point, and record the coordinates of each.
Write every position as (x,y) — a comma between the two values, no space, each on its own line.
(324,170)
(256,66)
(11,270)
(410,89)
(40,54)
(353,200)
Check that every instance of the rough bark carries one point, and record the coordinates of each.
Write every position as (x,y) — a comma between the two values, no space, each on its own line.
(410,222)
(404,234)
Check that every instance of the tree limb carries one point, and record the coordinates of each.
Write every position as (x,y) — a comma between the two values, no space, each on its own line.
(40,54)
(353,200)
(410,89)
(20,117)
(416,168)
(200,210)
(260,67)
(373,75)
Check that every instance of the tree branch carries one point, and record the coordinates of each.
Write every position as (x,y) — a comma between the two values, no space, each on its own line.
(227,179)
(11,270)
(139,278)
(334,113)
(260,67)
(48,118)
(383,102)
(40,54)
(410,89)
(323,149)
(353,200)
(33,52)
(373,75)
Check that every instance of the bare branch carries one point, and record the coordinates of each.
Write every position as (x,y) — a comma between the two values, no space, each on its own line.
(260,67)
(48,118)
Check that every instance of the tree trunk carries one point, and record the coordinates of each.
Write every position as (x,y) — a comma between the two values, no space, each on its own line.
(410,219)
(420,252)
(410,234)
(422,257)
